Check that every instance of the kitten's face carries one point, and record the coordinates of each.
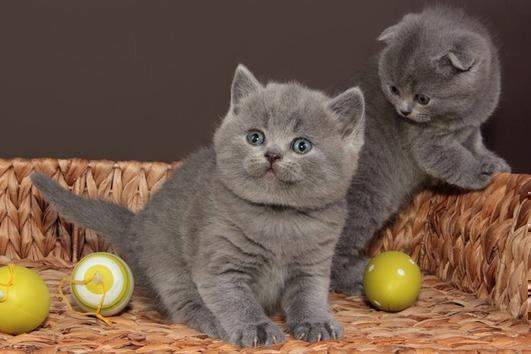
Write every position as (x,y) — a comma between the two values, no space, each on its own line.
(413,87)
(432,74)
(280,145)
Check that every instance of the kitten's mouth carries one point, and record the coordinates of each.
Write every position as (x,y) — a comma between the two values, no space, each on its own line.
(274,174)
(270,171)
(417,118)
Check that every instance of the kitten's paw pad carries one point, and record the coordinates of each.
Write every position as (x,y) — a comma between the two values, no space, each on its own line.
(261,334)
(317,331)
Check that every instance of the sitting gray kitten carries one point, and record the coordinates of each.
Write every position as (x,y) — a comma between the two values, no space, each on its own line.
(249,224)
(434,84)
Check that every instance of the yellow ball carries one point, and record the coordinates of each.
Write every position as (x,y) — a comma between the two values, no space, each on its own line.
(107,270)
(392,281)
(25,304)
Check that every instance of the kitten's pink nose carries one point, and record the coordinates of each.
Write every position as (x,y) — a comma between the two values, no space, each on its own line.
(272,156)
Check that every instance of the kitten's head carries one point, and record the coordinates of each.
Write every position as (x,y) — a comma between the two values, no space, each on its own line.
(287,145)
(437,65)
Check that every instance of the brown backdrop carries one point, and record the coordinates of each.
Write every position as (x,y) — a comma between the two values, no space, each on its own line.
(149,80)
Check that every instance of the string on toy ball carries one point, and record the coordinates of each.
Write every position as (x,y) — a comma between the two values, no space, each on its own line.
(9,284)
(96,278)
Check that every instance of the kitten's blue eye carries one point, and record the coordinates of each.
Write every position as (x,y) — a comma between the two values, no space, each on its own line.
(301,145)
(255,137)
(394,90)
(422,99)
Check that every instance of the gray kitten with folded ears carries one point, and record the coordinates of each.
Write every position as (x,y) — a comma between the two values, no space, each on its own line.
(435,82)
(248,225)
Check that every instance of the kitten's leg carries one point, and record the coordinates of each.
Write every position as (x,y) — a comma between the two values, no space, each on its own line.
(349,260)
(225,291)
(364,219)
(446,159)
(347,272)
(181,301)
(305,301)
(481,152)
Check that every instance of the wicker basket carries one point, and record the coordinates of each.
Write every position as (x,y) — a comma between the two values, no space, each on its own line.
(477,245)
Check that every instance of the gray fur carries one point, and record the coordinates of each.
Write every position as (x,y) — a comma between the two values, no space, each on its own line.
(448,56)
(230,238)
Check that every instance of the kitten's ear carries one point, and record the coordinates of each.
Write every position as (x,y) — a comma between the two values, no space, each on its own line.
(462,60)
(349,109)
(243,84)
(390,33)
(467,51)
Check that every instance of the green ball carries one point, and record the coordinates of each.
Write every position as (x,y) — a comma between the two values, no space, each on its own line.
(392,281)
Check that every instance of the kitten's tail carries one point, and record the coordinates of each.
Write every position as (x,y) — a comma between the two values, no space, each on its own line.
(105,218)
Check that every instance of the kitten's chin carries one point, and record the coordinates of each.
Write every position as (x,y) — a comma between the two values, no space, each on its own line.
(265,190)
(259,192)
(270,191)
(419,119)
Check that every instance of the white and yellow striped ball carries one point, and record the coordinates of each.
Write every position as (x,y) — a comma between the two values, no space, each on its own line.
(117,279)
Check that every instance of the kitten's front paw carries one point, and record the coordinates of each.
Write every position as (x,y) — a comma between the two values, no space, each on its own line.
(476,179)
(253,335)
(488,168)
(347,275)
(316,331)
(484,177)
(497,163)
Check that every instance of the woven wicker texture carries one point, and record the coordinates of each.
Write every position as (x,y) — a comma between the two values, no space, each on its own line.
(29,229)
(478,242)
(443,319)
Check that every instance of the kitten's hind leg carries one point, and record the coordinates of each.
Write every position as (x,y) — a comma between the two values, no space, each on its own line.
(347,274)
(365,217)
(349,260)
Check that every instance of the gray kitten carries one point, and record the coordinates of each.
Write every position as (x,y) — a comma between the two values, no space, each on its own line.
(249,225)
(433,85)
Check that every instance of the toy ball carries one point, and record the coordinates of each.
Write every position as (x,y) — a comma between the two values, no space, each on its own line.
(392,281)
(104,275)
(24,299)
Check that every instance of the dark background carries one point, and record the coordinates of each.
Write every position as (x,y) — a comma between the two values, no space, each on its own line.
(149,80)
